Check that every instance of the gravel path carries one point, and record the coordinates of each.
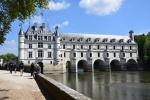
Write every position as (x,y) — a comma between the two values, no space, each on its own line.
(16,87)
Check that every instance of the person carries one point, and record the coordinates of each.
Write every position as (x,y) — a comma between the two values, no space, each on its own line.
(21,66)
(36,70)
(15,68)
(32,68)
(10,67)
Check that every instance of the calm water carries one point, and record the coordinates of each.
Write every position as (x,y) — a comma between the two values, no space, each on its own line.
(121,85)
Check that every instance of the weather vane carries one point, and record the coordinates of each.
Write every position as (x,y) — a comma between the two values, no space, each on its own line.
(20,24)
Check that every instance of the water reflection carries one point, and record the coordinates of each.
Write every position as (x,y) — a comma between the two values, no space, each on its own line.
(108,85)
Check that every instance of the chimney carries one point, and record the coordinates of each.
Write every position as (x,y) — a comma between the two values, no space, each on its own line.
(43,25)
(131,35)
(36,24)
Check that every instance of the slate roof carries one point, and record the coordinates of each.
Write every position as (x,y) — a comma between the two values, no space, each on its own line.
(68,36)
(21,31)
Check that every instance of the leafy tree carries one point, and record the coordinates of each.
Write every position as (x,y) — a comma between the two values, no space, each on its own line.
(6,57)
(10,10)
(148,34)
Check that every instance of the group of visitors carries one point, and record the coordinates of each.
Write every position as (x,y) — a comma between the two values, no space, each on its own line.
(13,65)
(34,68)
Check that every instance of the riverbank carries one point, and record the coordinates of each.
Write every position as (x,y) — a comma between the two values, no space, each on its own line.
(16,87)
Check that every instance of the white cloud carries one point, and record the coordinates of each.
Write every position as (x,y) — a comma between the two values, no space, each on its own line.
(11,42)
(37,19)
(6,50)
(10,46)
(66,23)
(100,7)
(58,5)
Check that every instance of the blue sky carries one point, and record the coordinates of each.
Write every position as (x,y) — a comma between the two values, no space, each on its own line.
(114,17)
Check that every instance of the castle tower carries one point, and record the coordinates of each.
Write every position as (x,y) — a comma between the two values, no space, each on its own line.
(131,35)
(57,47)
(21,38)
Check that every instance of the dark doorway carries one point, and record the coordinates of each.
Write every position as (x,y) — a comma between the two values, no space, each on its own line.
(41,66)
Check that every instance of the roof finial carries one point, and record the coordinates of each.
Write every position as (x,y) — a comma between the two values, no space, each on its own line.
(29,23)
(56,27)
(20,24)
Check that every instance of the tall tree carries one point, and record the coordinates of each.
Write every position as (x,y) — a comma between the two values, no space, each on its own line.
(10,10)
(6,57)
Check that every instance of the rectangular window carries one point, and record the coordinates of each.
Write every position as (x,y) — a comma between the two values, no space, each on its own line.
(49,54)
(106,47)
(123,54)
(30,55)
(49,38)
(30,46)
(74,54)
(40,53)
(130,54)
(130,47)
(107,54)
(90,54)
(30,37)
(73,46)
(114,47)
(81,54)
(89,46)
(64,54)
(49,46)
(40,37)
(40,45)
(81,46)
(98,54)
(51,62)
(122,47)
(64,46)
(97,46)
(114,54)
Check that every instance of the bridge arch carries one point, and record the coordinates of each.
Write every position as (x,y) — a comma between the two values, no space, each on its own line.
(115,65)
(131,64)
(68,66)
(99,65)
(82,66)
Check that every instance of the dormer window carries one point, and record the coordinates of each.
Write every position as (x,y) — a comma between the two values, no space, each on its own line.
(80,39)
(97,40)
(40,37)
(105,40)
(88,40)
(30,37)
(129,41)
(73,39)
(121,40)
(113,40)
(63,39)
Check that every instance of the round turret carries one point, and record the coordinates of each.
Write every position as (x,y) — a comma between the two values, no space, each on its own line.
(21,38)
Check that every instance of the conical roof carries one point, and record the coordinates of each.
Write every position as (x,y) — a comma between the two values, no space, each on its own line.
(21,31)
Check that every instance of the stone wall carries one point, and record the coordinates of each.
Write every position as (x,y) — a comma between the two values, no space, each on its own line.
(59,91)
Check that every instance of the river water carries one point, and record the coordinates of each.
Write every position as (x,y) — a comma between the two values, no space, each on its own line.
(117,85)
